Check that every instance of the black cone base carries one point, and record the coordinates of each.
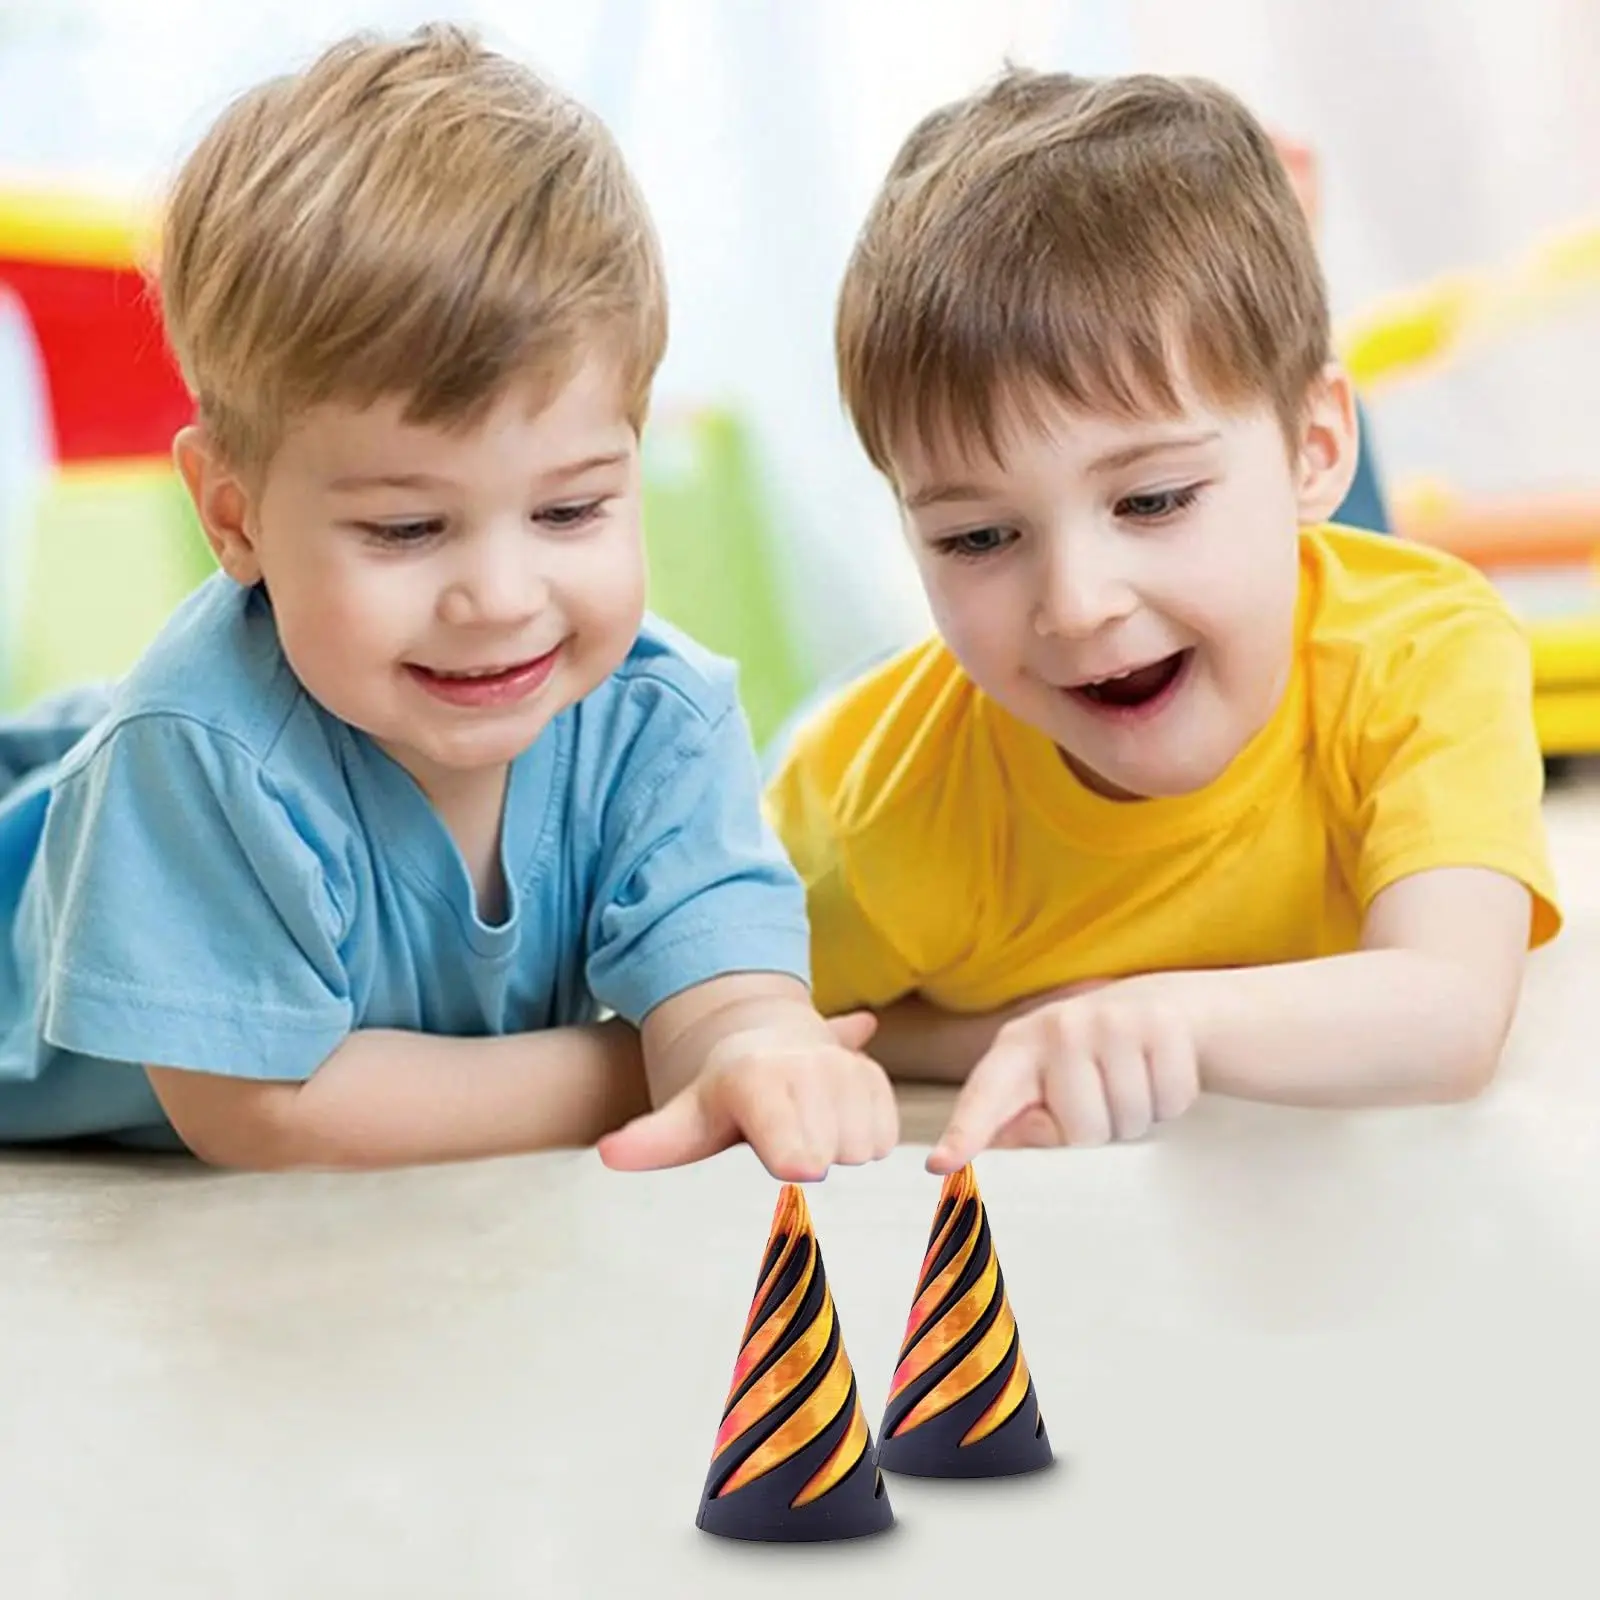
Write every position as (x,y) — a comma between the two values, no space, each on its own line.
(793,1460)
(962,1402)
(935,1450)
(855,1506)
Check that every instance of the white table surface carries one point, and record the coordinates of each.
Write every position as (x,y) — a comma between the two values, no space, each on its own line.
(1280,1355)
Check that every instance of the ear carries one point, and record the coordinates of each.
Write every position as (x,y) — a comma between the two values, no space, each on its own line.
(1329,443)
(222,504)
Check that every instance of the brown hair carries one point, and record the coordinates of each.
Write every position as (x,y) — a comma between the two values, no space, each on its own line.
(417,217)
(1086,240)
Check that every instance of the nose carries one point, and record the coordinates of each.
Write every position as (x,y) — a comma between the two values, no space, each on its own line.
(496,580)
(1081,591)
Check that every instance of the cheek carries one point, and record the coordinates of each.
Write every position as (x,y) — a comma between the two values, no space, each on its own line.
(944,599)
(603,581)
(1241,569)
(1268,580)
(1248,610)
(977,617)
(331,605)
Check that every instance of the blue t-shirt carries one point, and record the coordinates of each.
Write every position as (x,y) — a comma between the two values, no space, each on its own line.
(204,869)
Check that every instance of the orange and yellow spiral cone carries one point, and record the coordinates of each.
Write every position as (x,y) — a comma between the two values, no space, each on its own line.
(962,1402)
(793,1459)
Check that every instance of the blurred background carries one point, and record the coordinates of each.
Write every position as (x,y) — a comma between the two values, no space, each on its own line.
(1454,166)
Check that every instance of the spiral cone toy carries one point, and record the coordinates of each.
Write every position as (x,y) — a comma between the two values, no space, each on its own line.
(962,1401)
(793,1458)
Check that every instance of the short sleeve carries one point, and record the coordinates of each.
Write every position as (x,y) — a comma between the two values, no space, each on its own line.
(693,884)
(1445,760)
(853,962)
(186,921)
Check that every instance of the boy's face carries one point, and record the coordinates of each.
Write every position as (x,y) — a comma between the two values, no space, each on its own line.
(1129,588)
(446,592)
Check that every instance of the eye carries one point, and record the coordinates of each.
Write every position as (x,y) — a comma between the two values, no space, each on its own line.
(976,543)
(398,535)
(576,515)
(1159,505)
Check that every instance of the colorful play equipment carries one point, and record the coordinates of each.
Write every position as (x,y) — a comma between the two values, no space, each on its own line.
(1543,554)
(1541,551)
(100,537)
(73,262)
(1417,331)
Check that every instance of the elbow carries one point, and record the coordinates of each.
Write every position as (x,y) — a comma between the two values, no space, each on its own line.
(263,1139)
(1473,1062)
(239,1149)
(286,1145)
(1470,1077)
(1458,1018)
(241,1125)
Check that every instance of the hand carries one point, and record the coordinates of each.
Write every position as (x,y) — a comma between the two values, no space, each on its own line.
(800,1103)
(1105,1064)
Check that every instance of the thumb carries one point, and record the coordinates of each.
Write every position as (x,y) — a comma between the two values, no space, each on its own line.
(682,1131)
(852,1029)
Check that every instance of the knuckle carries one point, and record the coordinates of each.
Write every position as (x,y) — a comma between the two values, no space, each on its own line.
(1162,1024)
(1056,1024)
(1114,1017)
(1023,1033)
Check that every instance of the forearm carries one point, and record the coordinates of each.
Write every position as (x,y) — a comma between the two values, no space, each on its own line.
(920,1042)
(1377,1027)
(387,1098)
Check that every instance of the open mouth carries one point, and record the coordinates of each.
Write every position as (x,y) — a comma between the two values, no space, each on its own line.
(1135,690)
(475,674)
(485,686)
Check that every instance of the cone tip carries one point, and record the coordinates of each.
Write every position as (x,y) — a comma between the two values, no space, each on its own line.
(961,1183)
(791,1208)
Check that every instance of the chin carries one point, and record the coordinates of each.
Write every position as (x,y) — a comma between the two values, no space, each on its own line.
(468,750)
(1167,782)
(498,749)
(1171,786)
(1190,778)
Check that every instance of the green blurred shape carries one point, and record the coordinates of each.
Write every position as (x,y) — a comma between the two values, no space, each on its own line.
(111,552)
(714,565)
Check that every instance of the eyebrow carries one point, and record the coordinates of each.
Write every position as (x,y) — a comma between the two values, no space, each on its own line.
(426,480)
(1128,455)
(1111,461)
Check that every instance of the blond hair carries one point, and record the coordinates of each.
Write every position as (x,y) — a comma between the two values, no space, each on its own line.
(1087,241)
(418,217)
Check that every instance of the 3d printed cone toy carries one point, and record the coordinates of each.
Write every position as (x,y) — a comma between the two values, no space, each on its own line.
(793,1459)
(962,1401)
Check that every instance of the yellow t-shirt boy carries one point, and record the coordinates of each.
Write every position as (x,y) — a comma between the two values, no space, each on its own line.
(1193,790)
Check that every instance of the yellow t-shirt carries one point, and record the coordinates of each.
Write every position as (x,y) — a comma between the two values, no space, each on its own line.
(948,849)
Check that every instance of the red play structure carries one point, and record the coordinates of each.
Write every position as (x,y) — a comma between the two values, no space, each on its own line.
(112,388)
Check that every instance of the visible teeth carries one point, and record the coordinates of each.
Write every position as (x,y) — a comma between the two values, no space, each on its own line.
(475,672)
